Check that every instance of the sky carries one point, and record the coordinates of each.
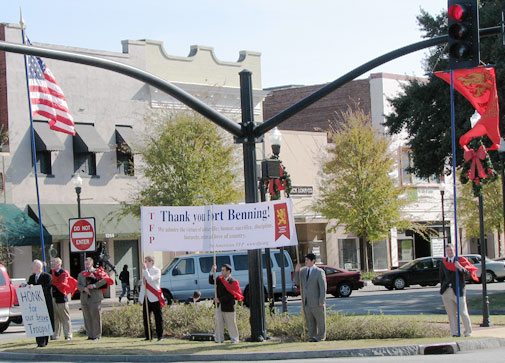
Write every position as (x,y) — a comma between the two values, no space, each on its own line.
(302,42)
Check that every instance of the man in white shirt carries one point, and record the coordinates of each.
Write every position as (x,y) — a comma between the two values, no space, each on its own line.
(151,298)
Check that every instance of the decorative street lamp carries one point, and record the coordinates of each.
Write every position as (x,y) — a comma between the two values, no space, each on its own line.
(77,182)
(441,186)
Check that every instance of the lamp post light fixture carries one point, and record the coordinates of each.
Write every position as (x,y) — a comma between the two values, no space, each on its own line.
(441,187)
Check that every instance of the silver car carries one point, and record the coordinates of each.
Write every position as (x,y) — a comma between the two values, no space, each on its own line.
(495,270)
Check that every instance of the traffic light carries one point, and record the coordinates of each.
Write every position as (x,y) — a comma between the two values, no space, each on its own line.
(464,44)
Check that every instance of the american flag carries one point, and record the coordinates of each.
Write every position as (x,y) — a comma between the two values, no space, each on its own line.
(47,98)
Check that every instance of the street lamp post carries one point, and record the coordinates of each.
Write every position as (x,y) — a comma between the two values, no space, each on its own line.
(276,142)
(483,271)
(501,152)
(77,182)
(442,193)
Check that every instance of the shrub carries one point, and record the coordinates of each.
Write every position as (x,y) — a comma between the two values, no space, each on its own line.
(181,320)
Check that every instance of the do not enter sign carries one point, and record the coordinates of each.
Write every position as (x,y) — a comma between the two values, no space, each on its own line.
(82,234)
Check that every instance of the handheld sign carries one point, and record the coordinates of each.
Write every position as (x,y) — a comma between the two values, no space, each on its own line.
(82,234)
(34,310)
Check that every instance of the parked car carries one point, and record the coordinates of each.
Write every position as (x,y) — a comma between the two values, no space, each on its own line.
(188,273)
(9,307)
(421,271)
(340,282)
(495,270)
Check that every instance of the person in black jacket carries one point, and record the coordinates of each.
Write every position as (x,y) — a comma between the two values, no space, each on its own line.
(39,277)
(124,277)
(227,290)
(449,289)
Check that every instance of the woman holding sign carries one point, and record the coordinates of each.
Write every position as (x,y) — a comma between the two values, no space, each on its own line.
(39,277)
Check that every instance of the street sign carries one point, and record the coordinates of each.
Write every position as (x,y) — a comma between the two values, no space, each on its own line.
(82,234)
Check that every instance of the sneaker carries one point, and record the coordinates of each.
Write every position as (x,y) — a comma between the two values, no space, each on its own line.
(119,299)
(53,337)
(68,338)
(467,335)
(235,341)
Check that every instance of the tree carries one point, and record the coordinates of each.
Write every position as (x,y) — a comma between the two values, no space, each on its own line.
(423,109)
(357,191)
(186,162)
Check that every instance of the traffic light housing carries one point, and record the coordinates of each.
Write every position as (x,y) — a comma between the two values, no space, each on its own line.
(464,40)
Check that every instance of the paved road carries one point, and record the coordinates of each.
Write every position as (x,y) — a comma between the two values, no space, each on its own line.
(413,300)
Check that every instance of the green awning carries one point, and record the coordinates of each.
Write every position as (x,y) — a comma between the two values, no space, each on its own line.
(18,229)
(45,138)
(55,219)
(87,139)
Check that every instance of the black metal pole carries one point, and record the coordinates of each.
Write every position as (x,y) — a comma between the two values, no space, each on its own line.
(78,192)
(502,157)
(483,273)
(283,281)
(268,259)
(442,192)
(256,293)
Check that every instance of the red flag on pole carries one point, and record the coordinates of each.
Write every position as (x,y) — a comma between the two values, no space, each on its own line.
(478,86)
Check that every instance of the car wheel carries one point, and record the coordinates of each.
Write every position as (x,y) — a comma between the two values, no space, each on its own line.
(490,276)
(399,283)
(344,290)
(4,326)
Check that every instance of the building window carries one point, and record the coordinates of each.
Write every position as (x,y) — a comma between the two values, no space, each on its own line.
(408,178)
(380,255)
(405,249)
(44,162)
(85,163)
(125,160)
(349,253)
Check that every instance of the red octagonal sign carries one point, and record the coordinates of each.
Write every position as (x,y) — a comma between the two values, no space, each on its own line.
(82,234)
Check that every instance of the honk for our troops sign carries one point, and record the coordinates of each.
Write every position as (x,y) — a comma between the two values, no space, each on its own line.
(219,227)
(34,310)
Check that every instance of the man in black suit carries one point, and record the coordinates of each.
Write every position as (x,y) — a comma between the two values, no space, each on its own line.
(39,277)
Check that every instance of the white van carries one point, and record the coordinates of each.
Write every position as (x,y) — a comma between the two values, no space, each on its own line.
(187,273)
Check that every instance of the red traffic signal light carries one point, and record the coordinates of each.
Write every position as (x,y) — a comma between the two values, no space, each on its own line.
(464,41)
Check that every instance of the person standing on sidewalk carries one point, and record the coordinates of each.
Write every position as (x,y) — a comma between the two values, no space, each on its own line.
(152,300)
(124,277)
(227,290)
(63,284)
(312,283)
(448,289)
(90,283)
(39,277)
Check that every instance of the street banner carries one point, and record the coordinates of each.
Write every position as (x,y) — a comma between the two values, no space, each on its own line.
(34,311)
(219,227)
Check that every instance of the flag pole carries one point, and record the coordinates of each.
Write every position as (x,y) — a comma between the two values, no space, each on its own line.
(32,137)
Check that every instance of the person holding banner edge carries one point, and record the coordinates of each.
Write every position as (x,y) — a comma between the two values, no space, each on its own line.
(227,291)
(152,300)
(39,277)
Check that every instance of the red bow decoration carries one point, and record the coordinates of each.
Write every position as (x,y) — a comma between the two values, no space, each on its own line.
(276,182)
(475,157)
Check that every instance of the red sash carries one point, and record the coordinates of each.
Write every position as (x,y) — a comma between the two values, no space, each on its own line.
(466,264)
(65,283)
(157,293)
(232,287)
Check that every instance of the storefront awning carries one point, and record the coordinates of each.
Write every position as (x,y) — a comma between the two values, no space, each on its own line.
(108,221)
(87,140)
(18,229)
(127,136)
(45,138)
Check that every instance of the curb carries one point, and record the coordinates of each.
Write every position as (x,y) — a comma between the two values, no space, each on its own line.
(476,344)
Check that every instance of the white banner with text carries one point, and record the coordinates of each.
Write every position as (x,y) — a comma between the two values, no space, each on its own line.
(219,227)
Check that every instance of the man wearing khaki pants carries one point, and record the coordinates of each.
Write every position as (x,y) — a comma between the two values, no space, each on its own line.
(312,282)
(60,290)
